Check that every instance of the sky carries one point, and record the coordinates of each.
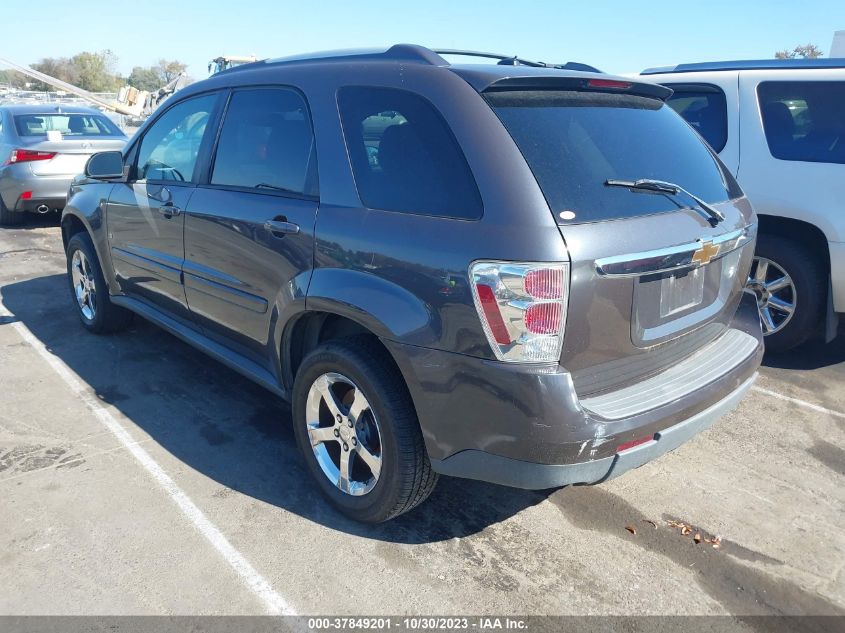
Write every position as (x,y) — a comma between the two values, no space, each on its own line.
(617,37)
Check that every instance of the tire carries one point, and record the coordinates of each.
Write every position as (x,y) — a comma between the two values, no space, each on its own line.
(10,218)
(808,294)
(102,316)
(405,478)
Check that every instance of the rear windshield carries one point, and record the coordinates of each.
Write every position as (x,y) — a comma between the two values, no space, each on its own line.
(75,125)
(575,141)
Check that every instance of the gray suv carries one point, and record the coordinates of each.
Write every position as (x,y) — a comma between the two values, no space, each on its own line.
(513,272)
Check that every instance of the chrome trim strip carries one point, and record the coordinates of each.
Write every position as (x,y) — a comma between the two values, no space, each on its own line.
(672,258)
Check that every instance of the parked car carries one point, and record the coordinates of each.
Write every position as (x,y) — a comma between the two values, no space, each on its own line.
(471,269)
(779,127)
(42,147)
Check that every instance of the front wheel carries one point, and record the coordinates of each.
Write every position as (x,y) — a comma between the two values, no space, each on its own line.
(358,431)
(790,284)
(88,289)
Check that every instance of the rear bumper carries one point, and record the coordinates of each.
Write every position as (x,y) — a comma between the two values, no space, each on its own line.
(474,464)
(527,427)
(47,190)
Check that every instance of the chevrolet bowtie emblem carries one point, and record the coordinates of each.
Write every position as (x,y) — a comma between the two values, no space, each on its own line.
(705,253)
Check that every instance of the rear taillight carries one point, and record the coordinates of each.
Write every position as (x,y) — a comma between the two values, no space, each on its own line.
(27,156)
(522,308)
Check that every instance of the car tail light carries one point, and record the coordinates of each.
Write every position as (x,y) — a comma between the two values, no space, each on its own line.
(522,307)
(27,156)
(26,195)
(609,83)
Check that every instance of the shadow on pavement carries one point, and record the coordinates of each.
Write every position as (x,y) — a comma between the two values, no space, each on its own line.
(812,355)
(226,427)
(37,221)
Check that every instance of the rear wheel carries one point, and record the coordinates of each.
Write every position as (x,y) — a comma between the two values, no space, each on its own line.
(10,218)
(89,291)
(790,284)
(357,429)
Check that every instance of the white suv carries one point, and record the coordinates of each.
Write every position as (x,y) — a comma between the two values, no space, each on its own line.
(779,126)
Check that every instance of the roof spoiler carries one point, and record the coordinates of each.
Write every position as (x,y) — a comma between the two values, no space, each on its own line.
(591,84)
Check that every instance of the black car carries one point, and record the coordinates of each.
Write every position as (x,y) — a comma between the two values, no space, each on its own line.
(525,274)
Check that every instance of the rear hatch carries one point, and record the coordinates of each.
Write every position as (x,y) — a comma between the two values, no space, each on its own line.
(655,274)
(70,137)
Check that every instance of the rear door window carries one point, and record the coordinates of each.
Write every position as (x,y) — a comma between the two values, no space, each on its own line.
(804,120)
(575,141)
(267,143)
(404,156)
(705,108)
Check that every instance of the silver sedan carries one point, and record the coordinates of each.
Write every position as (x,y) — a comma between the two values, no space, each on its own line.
(42,147)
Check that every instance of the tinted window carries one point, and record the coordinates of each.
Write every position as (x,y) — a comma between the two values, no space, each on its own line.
(404,155)
(705,108)
(266,143)
(804,120)
(575,141)
(171,145)
(72,125)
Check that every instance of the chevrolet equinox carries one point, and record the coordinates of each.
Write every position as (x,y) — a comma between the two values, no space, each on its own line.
(517,272)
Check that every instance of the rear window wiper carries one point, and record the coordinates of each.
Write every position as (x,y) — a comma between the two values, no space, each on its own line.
(267,185)
(714,216)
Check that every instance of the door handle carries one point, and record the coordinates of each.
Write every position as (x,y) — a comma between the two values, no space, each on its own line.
(281,227)
(169,210)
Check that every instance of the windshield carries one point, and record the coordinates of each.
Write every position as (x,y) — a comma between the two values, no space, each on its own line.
(575,142)
(72,125)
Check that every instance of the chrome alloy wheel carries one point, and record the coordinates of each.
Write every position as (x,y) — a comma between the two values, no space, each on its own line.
(775,292)
(344,434)
(84,285)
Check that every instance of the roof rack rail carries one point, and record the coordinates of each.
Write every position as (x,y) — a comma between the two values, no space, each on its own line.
(513,60)
(748,64)
(399,52)
(415,53)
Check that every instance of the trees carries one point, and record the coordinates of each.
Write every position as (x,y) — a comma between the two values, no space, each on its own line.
(144,79)
(12,78)
(90,71)
(96,71)
(170,69)
(154,77)
(808,51)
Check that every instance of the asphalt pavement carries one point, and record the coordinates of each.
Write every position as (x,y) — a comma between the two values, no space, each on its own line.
(137,476)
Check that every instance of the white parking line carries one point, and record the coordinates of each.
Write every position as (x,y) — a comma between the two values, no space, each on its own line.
(274,603)
(803,403)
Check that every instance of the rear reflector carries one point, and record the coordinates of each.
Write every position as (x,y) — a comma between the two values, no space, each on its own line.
(609,83)
(626,445)
(26,195)
(487,298)
(27,156)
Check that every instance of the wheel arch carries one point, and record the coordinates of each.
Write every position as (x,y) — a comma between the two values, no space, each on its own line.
(72,224)
(311,328)
(807,233)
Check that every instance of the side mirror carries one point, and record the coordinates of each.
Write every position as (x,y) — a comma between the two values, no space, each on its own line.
(105,165)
